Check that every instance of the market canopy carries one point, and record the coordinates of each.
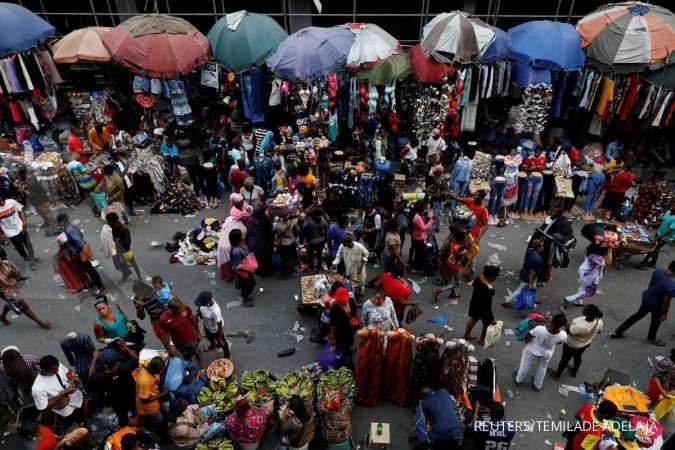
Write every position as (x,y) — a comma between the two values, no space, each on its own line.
(456,37)
(547,45)
(21,29)
(428,70)
(387,71)
(243,39)
(628,36)
(664,76)
(371,44)
(500,48)
(311,52)
(157,45)
(84,44)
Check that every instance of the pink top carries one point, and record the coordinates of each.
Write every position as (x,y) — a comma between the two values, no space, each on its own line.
(419,231)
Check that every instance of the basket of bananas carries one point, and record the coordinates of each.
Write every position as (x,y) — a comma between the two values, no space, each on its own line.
(221,393)
(295,383)
(217,443)
(334,386)
(259,387)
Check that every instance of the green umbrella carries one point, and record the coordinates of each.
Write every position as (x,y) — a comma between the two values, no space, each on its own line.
(393,68)
(243,39)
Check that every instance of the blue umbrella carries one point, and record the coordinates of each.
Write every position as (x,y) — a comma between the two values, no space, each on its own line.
(525,75)
(547,45)
(499,49)
(311,52)
(21,29)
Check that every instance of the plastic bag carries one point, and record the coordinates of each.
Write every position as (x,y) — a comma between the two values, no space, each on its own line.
(329,358)
(493,334)
(526,299)
(175,372)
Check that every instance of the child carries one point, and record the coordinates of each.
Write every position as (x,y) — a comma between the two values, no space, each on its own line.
(162,290)
(209,311)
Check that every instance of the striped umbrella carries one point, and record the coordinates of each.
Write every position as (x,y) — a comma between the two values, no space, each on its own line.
(628,36)
(456,37)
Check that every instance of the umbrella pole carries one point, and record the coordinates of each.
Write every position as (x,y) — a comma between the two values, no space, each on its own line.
(93,10)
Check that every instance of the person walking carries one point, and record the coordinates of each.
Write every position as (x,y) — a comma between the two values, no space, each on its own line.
(452,258)
(79,248)
(530,273)
(122,254)
(315,230)
(285,231)
(398,289)
(10,282)
(212,318)
(580,333)
(36,195)
(245,273)
(665,234)
(419,233)
(355,256)
(539,347)
(591,270)
(480,306)
(655,301)
(13,225)
(180,327)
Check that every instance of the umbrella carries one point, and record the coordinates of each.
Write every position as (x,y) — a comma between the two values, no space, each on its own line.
(84,44)
(21,29)
(524,74)
(393,68)
(547,45)
(371,44)
(628,36)
(455,36)
(499,49)
(311,52)
(242,39)
(157,45)
(664,76)
(428,70)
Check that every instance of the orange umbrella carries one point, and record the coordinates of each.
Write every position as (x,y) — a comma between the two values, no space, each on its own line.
(82,45)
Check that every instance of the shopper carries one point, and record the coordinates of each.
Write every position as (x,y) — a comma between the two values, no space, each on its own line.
(354,255)
(79,248)
(452,259)
(10,283)
(123,255)
(655,301)
(591,270)
(212,318)
(110,322)
(531,272)
(285,231)
(399,290)
(480,306)
(13,225)
(580,334)
(539,347)
(36,195)
(180,331)
(149,394)
(242,259)
(315,230)
(297,425)
(419,234)
(665,234)
(56,391)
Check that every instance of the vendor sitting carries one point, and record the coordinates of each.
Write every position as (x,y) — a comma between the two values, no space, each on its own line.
(443,429)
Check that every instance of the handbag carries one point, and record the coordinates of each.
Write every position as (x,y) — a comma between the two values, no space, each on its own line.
(413,313)
(86,254)
(249,263)
(128,256)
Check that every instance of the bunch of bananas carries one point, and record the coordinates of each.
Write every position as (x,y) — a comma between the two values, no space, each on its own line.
(259,386)
(295,383)
(342,378)
(222,393)
(218,443)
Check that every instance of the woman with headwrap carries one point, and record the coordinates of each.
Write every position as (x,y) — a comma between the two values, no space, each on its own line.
(240,214)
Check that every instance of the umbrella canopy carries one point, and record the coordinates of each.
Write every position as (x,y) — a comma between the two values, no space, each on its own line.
(628,36)
(547,45)
(524,74)
(84,44)
(157,45)
(664,76)
(428,70)
(499,49)
(311,52)
(391,69)
(371,44)
(455,36)
(243,39)
(21,29)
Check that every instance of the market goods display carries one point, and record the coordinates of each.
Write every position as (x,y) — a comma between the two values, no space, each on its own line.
(295,383)
(335,386)
(220,369)
(259,387)
(218,443)
(222,393)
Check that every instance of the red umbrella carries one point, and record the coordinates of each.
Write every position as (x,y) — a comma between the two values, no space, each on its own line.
(428,70)
(157,45)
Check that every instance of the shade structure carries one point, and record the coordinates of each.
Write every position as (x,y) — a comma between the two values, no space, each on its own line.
(547,45)
(628,36)
(500,48)
(20,29)
(664,76)
(311,52)
(84,44)
(426,69)
(243,39)
(394,68)
(456,37)
(157,45)
(524,74)
(371,44)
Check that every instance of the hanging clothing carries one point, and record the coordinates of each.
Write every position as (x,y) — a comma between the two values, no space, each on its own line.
(605,98)
(368,372)
(397,364)
(24,72)
(426,365)
(455,368)
(49,67)
(662,109)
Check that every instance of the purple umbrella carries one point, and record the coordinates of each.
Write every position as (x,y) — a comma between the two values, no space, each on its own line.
(311,52)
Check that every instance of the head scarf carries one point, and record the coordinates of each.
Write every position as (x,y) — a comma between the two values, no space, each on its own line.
(235,198)
(239,215)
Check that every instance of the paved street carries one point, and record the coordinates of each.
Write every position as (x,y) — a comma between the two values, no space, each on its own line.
(275,313)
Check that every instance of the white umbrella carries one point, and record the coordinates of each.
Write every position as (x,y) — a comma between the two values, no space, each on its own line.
(371,44)
(456,37)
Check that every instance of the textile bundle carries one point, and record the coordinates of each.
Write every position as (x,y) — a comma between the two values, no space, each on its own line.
(397,364)
(369,358)
(178,198)
(532,115)
(426,365)
(145,161)
(455,366)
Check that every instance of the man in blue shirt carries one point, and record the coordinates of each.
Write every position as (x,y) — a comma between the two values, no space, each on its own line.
(439,411)
(655,301)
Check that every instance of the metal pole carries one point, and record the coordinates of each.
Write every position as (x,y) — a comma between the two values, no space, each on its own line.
(168,10)
(215,11)
(497,8)
(222,5)
(569,13)
(353,10)
(93,10)
(489,12)
(284,11)
(557,11)
(110,13)
(422,18)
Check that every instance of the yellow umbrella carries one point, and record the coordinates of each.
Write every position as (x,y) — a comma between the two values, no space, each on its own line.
(82,45)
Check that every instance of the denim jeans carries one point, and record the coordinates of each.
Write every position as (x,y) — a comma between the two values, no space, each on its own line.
(366,188)
(595,182)
(460,188)
(496,196)
(532,194)
(522,190)
(437,207)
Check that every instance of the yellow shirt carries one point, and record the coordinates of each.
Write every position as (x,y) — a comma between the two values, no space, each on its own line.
(606,96)
(96,140)
(147,385)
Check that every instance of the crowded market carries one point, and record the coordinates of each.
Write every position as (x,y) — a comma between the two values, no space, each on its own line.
(263,239)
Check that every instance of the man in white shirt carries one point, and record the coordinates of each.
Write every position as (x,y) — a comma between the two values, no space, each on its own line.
(211,316)
(13,225)
(435,147)
(55,389)
(540,344)
(252,193)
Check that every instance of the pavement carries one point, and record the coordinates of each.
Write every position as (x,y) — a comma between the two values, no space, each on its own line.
(274,314)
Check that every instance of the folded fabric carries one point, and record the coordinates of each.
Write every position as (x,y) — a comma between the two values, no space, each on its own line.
(440,320)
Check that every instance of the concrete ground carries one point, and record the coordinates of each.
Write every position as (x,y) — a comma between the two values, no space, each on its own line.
(275,313)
